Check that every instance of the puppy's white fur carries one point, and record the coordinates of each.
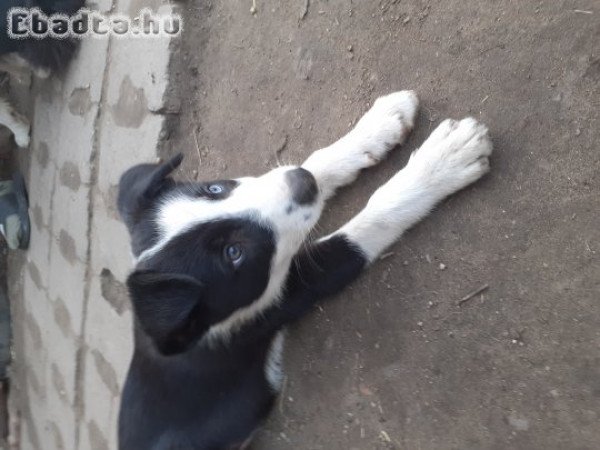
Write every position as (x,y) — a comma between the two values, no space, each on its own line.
(454,156)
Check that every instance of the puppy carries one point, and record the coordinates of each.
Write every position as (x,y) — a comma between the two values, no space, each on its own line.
(39,56)
(221,270)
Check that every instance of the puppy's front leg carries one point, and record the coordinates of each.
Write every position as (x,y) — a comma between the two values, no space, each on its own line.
(454,156)
(384,126)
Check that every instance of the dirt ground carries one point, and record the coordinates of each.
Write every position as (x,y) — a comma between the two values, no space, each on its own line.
(395,363)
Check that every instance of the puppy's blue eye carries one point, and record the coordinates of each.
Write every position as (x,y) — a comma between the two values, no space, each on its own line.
(215,189)
(234,253)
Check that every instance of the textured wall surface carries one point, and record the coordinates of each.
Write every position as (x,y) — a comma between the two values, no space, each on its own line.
(72,322)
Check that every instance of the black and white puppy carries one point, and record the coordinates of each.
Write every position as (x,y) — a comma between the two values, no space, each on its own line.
(41,57)
(221,269)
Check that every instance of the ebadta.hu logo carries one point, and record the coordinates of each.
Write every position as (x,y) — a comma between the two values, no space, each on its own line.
(25,23)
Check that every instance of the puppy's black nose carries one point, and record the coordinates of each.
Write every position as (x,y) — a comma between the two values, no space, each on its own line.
(303,186)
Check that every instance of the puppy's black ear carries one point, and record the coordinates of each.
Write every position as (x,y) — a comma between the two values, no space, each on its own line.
(169,309)
(140,185)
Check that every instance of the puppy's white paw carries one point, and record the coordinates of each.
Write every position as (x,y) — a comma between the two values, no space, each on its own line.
(388,122)
(454,156)
(400,107)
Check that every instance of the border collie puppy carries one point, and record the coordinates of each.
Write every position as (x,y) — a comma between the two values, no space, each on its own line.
(221,270)
(40,56)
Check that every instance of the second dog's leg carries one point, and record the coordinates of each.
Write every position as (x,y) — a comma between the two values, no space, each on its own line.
(15,122)
(384,126)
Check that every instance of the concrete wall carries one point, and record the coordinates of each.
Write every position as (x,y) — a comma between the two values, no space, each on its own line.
(72,321)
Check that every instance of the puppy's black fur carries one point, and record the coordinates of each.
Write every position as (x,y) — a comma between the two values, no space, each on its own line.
(48,53)
(182,392)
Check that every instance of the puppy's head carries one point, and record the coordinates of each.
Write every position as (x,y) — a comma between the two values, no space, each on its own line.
(210,255)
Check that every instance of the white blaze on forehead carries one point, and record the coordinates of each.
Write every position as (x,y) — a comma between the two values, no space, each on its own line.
(180,212)
(265,199)
(262,199)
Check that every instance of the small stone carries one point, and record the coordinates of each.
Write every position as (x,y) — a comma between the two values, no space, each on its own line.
(518,423)
(442,266)
(364,390)
(420,324)
(350,48)
(406,20)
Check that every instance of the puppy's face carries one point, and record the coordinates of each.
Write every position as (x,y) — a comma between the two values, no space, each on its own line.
(210,255)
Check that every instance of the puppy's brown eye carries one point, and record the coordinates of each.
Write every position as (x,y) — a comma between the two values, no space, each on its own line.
(234,253)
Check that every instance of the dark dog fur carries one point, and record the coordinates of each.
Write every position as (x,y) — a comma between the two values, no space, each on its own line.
(216,394)
(43,54)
